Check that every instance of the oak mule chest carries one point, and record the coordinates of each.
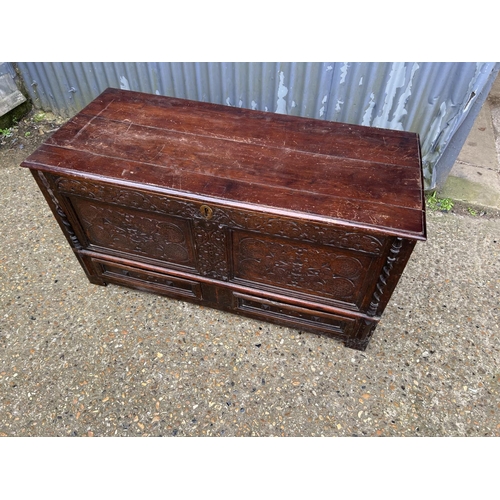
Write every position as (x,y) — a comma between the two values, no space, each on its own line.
(300,222)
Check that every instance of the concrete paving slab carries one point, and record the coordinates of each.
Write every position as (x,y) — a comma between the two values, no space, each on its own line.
(475,177)
(479,149)
(473,185)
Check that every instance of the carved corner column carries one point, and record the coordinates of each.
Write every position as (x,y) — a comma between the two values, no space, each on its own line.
(384,287)
(384,277)
(61,217)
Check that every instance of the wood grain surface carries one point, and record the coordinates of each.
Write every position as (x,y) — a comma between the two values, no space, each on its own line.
(313,169)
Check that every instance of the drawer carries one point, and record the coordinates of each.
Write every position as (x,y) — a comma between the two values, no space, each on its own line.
(292,315)
(149,281)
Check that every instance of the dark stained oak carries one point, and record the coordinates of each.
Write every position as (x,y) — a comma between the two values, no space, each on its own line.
(297,221)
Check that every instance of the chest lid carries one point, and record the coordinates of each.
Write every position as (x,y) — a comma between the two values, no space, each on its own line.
(345,174)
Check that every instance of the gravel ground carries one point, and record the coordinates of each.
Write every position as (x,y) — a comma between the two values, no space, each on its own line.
(82,360)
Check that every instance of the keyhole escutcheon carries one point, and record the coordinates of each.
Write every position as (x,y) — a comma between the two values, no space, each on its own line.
(206,211)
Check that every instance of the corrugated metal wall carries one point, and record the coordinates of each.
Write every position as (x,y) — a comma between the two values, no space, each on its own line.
(437,100)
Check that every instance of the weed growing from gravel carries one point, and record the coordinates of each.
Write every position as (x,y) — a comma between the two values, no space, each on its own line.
(435,203)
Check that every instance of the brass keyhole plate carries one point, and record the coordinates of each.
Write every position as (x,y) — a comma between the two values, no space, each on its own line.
(206,211)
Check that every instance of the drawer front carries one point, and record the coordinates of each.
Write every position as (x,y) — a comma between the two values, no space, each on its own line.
(145,280)
(291,315)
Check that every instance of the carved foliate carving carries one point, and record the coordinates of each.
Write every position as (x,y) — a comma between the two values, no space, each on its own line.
(301,267)
(115,195)
(60,212)
(241,219)
(148,234)
(211,250)
(301,230)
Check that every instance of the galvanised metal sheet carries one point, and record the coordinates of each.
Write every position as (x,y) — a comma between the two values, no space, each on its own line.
(437,100)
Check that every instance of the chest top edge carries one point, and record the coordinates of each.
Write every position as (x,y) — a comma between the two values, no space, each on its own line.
(86,183)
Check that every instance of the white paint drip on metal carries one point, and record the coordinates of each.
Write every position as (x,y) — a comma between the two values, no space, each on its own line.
(343,73)
(432,141)
(401,111)
(124,83)
(254,105)
(397,80)
(282,92)
(367,117)
(322,109)
(338,106)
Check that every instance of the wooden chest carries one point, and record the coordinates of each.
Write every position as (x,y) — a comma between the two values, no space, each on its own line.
(300,222)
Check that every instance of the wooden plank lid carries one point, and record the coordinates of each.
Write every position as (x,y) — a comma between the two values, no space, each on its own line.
(318,170)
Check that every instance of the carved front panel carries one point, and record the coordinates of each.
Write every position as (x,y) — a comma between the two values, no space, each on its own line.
(125,197)
(303,230)
(294,265)
(152,235)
